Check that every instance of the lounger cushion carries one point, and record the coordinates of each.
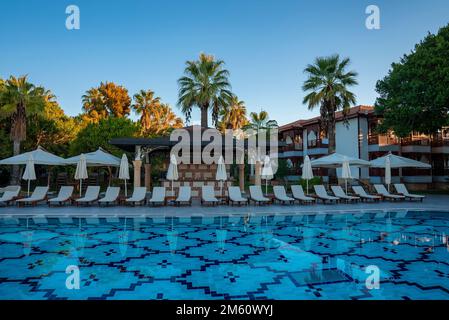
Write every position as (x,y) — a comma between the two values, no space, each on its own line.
(64,194)
(256,194)
(235,195)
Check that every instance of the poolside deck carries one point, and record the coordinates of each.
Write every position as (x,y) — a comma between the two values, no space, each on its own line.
(432,203)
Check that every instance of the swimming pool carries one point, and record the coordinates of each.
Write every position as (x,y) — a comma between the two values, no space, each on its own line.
(320,256)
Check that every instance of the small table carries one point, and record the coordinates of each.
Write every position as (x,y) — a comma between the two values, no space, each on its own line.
(170,199)
(271,196)
(121,200)
(223,199)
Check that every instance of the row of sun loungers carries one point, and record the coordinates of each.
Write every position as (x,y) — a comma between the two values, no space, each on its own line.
(208,197)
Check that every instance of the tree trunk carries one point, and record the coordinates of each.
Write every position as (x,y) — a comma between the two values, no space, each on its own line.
(332,173)
(15,179)
(331,137)
(204,116)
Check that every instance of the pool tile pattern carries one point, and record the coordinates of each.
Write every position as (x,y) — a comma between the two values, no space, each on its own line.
(252,257)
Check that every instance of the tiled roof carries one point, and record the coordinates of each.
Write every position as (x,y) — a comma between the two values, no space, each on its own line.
(352,112)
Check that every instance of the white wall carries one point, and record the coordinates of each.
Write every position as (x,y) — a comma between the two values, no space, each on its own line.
(364,146)
(347,142)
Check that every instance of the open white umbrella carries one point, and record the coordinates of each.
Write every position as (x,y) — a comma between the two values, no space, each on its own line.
(307,172)
(346,172)
(96,159)
(124,172)
(267,172)
(81,171)
(221,174)
(40,157)
(398,162)
(388,172)
(335,160)
(391,161)
(172,173)
(30,173)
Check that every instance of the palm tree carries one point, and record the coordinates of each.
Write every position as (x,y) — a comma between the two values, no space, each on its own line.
(234,116)
(147,106)
(327,87)
(19,99)
(206,86)
(169,120)
(156,118)
(94,105)
(261,121)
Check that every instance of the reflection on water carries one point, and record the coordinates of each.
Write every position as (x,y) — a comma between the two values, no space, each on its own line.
(322,256)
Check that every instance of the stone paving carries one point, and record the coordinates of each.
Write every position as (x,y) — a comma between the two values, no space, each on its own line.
(431,203)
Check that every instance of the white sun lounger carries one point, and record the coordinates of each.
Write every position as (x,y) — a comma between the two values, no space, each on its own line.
(235,196)
(340,193)
(298,194)
(281,195)
(208,196)
(184,196)
(111,196)
(91,195)
(322,194)
(157,196)
(402,189)
(64,195)
(358,190)
(10,194)
(139,196)
(39,194)
(257,196)
(382,191)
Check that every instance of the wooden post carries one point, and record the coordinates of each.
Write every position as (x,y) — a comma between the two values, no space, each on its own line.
(258,169)
(242,177)
(137,169)
(148,176)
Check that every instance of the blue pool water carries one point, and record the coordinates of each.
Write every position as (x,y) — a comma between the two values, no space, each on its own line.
(274,257)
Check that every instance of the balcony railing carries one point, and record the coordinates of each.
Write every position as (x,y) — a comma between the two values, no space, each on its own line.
(415,172)
(293,147)
(318,143)
(382,140)
(440,142)
(415,142)
(406,172)
(440,171)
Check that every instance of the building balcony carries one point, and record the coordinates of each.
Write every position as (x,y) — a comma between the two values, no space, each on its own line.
(441,172)
(440,142)
(382,143)
(382,140)
(416,149)
(440,146)
(318,143)
(292,147)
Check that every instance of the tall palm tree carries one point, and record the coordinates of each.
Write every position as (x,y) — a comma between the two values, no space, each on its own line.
(147,106)
(206,86)
(327,87)
(261,121)
(234,116)
(19,99)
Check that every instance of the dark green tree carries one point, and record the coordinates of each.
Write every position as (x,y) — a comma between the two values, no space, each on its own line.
(99,134)
(414,96)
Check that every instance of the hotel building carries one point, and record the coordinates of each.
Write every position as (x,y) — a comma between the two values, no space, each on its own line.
(357,137)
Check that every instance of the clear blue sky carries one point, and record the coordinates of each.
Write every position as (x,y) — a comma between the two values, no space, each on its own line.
(265,43)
